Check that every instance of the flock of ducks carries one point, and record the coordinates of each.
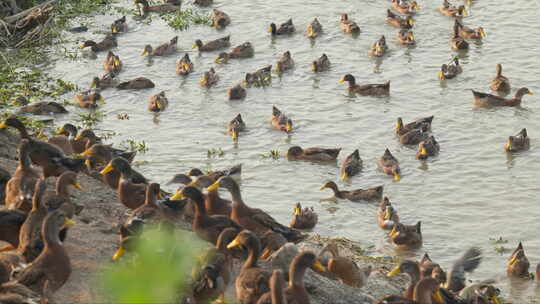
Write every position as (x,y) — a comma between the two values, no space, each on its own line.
(35,221)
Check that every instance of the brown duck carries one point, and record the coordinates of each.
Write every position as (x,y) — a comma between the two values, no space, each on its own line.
(285,28)
(280,121)
(252,281)
(405,7)
(207,227)
(379,48)
(253,219)
(321,64)
(351,165)
(469,33)
(390,165)
(237,92)
(184,66)
(303,218)
(348,26)
(53,264)
(366,89)
(158,102)
(236,126)
(213,45)
(519,142)
(285,62)
(213,203)
(518,264)
(399,22)
(30,242)
(424,291)
(406,37)
(106,81)
(451,11)
(485,100)
(166,48)
(387,216)
(89,99)
(107,43)
(450,71)
(457,42)
(155,8)
(209,79)
(102,154)
(342,268)
(500,83)
(424,123)
(468,262)
(20,187)
(244,50)
(314,28)
(277,289)
(44,108)
(131,194)
(427,148)
(112,63)
(407,238)
(261,77)
(415,136)
(313,153)
(370,194)
(220,19)
(136,84)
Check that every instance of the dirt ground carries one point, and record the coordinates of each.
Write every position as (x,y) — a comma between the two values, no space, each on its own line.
(92,242)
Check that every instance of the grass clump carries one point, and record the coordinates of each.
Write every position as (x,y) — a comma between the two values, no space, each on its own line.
(181,20)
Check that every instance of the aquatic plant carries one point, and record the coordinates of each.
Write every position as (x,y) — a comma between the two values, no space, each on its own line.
(274,154)
(181,19)
(91,119)
(215,152)
(134,145)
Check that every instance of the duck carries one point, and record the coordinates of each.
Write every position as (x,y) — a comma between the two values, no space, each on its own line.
(209,78)
(517,143)
(430,269)
(119,25)
(321,64)
(53,264)
(252,281)
(370,194)
(213,45)
(49,157)
(483,292)
(108,80)
(342,268)
(150,212)
(20,187)
(518,264)
(213,203)
(450,71)
(366,89)
(158,102)
(234,172)
(412,270)
(69,132)
(296,291)
(387,216)
(214,270)
(237,92)
(5,176)
(275,249)
(261,77)
(427,148)
(451,11)
(348,26)
(277,289)
(351,165)
(184,66)
(457,42)
(106,44)
(112,63)
(285,62)
(280,121)
(12,292)
(379,48)
(415,136)
(485,100)
(500,83)
(89,99)
(130,194)
(313,153)
(60,197)
(468,262)
(44,108)
(244,50)
(285,28)
(220,19)
(154,8)
(11,221)
(29,237)
(253,219)
(423,123)
(103,154)
(399,22)
(407,238)
(314,29)
(85,138)
(138,83)
(236,126)
(390,165)
(207,227)
(203,2)
(424,291)
(406,37)
(405,7)
(305,218)
(469,33)
(163,49)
